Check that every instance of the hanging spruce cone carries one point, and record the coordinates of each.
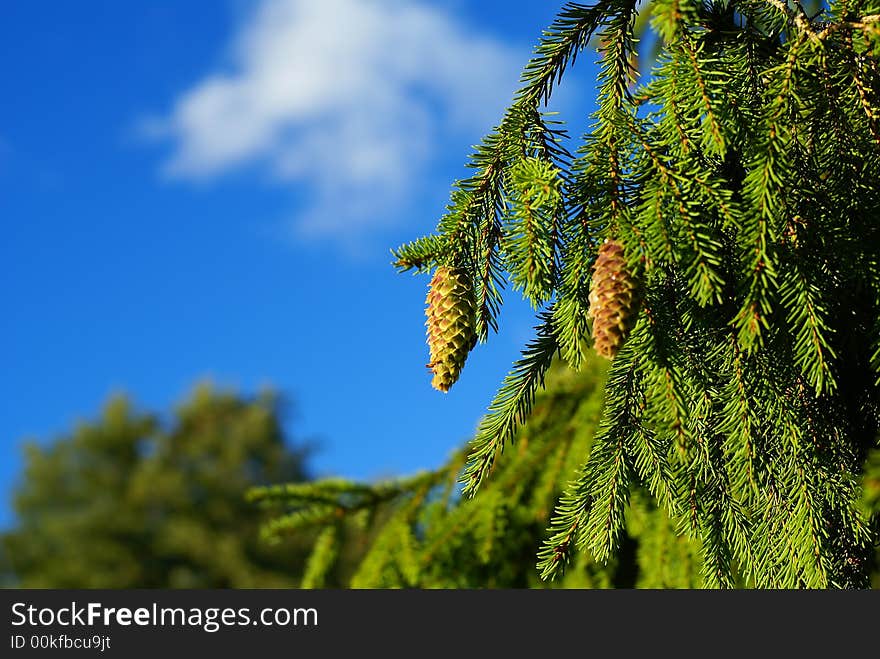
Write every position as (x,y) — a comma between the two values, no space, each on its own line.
(615,297)
(451,334)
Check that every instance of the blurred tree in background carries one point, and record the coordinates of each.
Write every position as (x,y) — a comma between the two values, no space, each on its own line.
(127,501)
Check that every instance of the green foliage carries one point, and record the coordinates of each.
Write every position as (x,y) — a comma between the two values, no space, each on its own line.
(535,215)
(743,180)
(419,532)
(512,404)
(127,501)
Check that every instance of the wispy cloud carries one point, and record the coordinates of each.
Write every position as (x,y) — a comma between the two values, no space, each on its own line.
(350,99)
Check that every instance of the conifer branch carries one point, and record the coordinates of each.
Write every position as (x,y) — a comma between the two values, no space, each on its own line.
(421,255)
(569,516)
(591,511)
(511,405)
(532,232)
(567,36)
(321,560)
(797,16)
(869,94)
(716,144)
(807,318)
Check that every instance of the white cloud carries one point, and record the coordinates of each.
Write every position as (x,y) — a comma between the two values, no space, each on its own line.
(349,98)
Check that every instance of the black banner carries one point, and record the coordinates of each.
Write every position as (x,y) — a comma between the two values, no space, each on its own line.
(415,622)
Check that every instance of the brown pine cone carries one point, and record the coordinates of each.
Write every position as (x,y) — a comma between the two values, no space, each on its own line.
(451,314)
(615,298)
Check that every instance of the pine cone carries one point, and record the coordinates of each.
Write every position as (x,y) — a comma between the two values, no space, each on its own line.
(615,298)
(451,334)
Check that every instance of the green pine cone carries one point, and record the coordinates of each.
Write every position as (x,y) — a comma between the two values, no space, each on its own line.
(615,298)
(451,334)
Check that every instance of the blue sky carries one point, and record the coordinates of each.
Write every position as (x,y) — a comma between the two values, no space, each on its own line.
(209,190)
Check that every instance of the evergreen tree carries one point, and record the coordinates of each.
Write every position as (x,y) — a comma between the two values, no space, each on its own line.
(715,235)
(130,501)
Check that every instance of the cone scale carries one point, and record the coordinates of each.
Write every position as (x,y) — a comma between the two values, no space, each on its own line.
(615,298)
(451,334)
